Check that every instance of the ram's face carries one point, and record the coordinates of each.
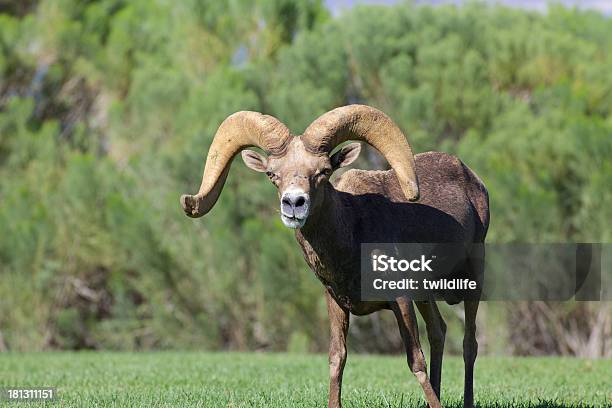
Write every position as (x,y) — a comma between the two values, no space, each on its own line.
(298,175)
(300,166)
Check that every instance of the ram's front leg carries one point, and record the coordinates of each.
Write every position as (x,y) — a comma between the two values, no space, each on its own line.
(339,323)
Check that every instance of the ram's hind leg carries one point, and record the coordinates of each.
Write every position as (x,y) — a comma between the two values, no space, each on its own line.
(406,320)
(436,334)
(470,350)
(470,345)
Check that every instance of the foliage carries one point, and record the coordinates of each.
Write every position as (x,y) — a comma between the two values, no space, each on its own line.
(107,108)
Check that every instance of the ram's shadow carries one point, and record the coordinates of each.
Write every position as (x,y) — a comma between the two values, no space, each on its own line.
(515,404)
(441,232)
(420,221)
(519,404)
(459,404)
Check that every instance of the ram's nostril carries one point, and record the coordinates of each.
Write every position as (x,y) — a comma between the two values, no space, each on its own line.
(287,201)
(300,201)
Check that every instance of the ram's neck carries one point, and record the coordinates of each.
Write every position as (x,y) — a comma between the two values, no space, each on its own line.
(327,236)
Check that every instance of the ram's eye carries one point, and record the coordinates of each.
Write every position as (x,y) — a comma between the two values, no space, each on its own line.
(326,172)
(273,177)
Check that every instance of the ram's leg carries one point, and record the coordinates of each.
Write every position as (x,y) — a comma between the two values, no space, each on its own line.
(339,323)
(470,345)
(436,334)
(470,350)
(406,320)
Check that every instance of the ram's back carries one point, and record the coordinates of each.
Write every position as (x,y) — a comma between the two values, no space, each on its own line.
(453,204)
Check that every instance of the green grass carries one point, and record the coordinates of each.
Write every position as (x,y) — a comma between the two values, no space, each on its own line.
(290,380)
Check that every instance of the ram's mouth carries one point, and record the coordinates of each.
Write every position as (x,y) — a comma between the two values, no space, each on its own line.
(293,222)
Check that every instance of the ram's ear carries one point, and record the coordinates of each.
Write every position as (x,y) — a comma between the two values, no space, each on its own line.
(254,160)
(346,155)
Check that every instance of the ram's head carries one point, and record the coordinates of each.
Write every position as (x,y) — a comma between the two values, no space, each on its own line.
(299,165)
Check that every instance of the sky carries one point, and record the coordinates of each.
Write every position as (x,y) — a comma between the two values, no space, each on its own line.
(605,6)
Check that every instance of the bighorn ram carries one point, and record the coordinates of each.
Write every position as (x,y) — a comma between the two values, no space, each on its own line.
(447,203)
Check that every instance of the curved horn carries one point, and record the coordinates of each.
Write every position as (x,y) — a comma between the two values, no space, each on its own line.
(361,122)
(238,131)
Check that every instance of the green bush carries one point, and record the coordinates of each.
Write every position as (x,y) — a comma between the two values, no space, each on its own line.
(108,107)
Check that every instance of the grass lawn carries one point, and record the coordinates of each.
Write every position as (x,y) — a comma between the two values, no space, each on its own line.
(290,380)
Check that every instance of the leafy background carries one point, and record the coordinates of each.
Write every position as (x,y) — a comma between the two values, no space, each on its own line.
(107,109)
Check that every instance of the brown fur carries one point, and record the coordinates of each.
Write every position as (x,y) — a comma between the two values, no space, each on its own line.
(333,220)
(369,206)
